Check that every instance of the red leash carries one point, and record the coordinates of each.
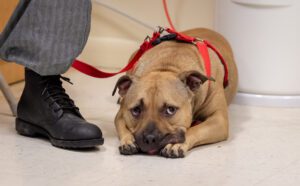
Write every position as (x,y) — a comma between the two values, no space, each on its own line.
(94,72)
(168,15)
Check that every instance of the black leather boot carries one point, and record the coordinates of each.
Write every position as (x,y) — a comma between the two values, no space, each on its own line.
(46,110)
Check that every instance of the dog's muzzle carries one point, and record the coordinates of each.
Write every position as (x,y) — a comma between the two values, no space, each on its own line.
(151,140)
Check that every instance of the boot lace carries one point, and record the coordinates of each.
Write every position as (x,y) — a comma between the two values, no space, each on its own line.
(53,86)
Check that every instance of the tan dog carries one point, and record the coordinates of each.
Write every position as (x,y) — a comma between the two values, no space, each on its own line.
(167,91)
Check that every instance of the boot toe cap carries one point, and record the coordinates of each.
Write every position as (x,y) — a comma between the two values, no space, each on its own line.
(87,132)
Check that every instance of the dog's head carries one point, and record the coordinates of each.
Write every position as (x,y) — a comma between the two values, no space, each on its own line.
(158,108)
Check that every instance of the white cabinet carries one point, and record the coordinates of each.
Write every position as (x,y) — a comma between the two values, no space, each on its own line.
(265,36)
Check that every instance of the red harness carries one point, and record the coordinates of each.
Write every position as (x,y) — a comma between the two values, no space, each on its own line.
(149,43)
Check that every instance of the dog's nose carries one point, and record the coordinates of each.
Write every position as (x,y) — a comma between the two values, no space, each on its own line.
(150,143)
(150,139)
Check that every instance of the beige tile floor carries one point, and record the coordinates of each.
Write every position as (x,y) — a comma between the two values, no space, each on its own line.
(263,149)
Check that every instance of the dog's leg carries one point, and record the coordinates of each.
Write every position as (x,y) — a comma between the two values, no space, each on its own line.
(212,130)
(127,146)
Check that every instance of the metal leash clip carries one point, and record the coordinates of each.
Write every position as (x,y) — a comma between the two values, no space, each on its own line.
(147,38)
(197,39)
(161,29)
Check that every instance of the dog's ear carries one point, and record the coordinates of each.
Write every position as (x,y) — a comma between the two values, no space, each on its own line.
(194,79)
(123,84)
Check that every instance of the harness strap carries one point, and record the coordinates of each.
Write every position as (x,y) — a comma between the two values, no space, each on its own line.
(226,73)
(203,50)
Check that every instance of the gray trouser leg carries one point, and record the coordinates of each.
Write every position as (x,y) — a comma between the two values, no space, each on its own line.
(46,35)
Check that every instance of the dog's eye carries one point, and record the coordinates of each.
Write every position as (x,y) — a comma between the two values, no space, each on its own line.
(170,110)
(136,111)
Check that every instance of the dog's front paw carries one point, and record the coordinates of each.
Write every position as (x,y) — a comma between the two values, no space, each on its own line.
(174,150)
(128,147)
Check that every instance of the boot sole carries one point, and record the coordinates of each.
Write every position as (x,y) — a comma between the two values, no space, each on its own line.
(30,130)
